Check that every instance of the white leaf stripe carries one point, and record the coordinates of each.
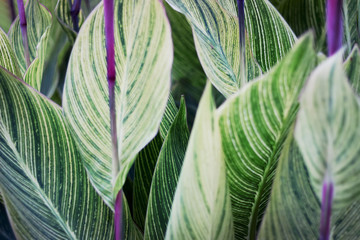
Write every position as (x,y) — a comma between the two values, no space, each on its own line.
(43,182)
(253,125)
(143,66)
(352,69)
(216,35)
(328,133)
(201,207)
(165,176)
(8,60)
(38,20)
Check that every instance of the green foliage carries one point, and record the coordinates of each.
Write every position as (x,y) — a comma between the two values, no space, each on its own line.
(251,166)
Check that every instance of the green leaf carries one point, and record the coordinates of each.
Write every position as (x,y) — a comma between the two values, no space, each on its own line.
(294,209)
(216,34)
(63,15)
(5,15)
(42,180)
(327,132)
(38,21)
(145,164)
(143,72)
(7,59)
(165,176)
(201,207)
(253,125)
(352,69)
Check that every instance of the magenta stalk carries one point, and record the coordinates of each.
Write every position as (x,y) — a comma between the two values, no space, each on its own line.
(75,9)
(111,76)
(334,25)
(326,206)
(241,15)
(23,28)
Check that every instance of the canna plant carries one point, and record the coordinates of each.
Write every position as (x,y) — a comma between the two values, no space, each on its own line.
(180,119)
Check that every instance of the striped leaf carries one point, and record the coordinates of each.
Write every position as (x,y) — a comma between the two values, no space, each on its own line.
(216,34)
(165,176)
(63,15)
(352,69)
(7,59)
(145,164)
(311,14)
(201,207)
(294,209)
(143,66)
(253,126)
(328,134)
(38,21)
(42,180)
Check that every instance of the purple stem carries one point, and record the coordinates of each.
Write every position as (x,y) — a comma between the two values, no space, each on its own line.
(118,216)
(23,28)
(110,57)
(75,9)
(326,205)
(334,24)
(12,10)
(241,14)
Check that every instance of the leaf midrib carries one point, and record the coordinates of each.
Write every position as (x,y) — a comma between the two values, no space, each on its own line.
(255,209)
(62,222)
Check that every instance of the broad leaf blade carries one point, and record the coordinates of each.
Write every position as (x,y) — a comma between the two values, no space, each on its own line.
(216,34)
(143,67)
(328,134)
(38,20)
(201,207)
(42,180)
(7,59)
(166,176)
(253,125)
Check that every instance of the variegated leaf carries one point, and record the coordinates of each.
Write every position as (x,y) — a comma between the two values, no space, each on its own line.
(143,72)
(201,207)
(294,209)
(7,59)
(63,15)
(254,124)
(42,180)
(216,33)
(145,164)
(328,134)
(38,22)
(352,69)
(165,177)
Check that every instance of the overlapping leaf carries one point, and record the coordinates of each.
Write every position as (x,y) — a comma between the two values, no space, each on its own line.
(7,59)
(143,66)
(38,21)
(6,232)
(253,125)
(216,34)
(63,14)
(165,176)
(327,132)
(201,207)
(352,69)
(43,183)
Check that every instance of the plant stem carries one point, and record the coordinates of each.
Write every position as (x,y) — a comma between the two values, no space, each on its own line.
(326,205)
(12,10)
(241,15)
(23,28)
(111,76)
(75,9)
(334,24)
